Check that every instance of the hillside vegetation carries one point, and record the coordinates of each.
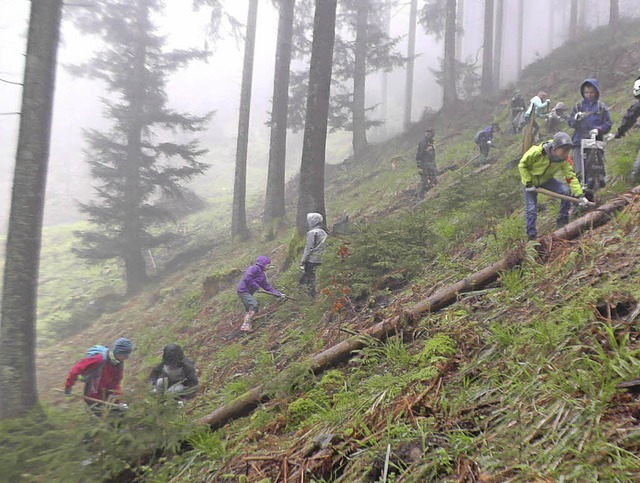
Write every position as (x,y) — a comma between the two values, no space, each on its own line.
(513,382)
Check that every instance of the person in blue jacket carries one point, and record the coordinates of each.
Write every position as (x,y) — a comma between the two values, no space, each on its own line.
(589,113)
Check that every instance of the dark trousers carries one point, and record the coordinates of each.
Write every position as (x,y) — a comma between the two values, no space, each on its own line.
(308,278)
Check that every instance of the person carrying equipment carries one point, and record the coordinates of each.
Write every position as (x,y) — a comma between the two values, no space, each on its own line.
(313,251)
(630,118)
(175,375)
(101,370)
(538,168)
(426,163)
(484,140)
(587,115)
(254,278)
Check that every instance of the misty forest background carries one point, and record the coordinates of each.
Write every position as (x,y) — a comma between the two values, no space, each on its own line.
(188,137)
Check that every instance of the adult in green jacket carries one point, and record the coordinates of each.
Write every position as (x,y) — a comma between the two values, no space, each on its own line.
(538,169)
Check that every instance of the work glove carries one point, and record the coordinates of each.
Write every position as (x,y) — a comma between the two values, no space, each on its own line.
(67,390)
(420,171)
(530,188)
(301,268)
(593,132)
(123,406)
(609,137)
(283,296)
(584,202)
(580,116)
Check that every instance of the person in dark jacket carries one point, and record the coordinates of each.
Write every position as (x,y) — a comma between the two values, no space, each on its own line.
(484,140)
(313,251)
(630,118)
(175,375)
(254,278)
(101,371)
(588,114)
(556,118)
(426,162)
(516,108)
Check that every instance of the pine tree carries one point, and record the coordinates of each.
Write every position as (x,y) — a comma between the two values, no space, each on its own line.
(133,162)
(411,54)
(487,50)
(20,283)
(311,194)
(614,15)
(239,217)
(351,65)
(274,199)
(438,17)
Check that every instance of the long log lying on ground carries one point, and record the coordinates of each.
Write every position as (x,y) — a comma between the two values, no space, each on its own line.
(444,297)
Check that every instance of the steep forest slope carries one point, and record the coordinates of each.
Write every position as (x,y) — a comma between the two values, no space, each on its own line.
(513,382)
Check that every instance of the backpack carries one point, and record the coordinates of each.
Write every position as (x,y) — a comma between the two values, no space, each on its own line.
(92,378)
(476,138)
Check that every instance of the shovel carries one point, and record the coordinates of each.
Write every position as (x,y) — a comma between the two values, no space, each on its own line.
(91,399)
(571,199)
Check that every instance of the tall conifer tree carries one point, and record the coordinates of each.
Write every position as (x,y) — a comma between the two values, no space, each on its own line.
(311,194)
(18,392)
(134,162)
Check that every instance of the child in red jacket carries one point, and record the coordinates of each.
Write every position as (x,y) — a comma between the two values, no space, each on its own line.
(101,370)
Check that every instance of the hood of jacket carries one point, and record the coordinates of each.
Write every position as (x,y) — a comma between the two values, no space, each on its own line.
(594,83)
(172,354)
(314,220)
(262,261)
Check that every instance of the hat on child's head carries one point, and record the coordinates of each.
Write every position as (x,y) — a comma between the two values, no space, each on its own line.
(122,347)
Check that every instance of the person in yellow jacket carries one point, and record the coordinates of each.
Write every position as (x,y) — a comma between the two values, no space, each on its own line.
(538,168)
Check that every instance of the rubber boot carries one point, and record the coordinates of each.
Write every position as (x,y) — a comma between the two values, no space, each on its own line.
(246,324)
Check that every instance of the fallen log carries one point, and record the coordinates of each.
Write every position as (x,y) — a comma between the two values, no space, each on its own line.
(446,296)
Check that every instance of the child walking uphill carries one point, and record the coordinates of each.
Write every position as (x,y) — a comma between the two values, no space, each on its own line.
(101,370)
(253,279)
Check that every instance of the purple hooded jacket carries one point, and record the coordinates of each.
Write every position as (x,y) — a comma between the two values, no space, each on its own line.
(598,115)
(255,278)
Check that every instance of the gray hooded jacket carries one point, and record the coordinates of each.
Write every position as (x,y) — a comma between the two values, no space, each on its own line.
(316,236)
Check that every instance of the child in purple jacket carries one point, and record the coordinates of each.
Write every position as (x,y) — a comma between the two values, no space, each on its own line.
(253,279)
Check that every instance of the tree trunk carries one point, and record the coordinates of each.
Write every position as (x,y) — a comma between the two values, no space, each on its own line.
(552,17)
(444,297)
(614,15)
(450,95)
(460,30)
(274,199)
(359,80)
(582,21)
(385,79)
(18,392)
(239,215)
(311,193)
(411,54)
(497,50)
(520,38)
(487,50)
(135,268)
(573,20)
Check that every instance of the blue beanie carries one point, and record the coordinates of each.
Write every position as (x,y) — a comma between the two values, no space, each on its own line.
(122,346)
